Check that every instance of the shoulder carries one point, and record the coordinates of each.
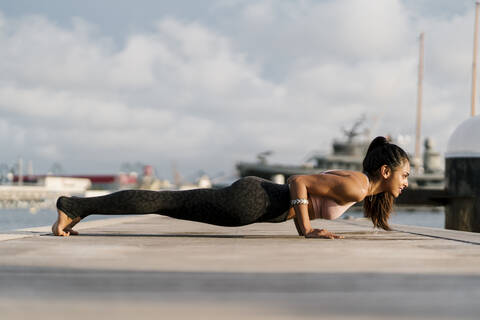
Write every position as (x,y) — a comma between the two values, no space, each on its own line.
(353,184)
(342,185)
(347,175)
(360,178)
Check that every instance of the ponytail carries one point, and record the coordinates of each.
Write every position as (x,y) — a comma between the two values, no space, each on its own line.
(378,208)
(380,152)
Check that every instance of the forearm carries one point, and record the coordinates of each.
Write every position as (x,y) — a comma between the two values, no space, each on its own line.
(297,226)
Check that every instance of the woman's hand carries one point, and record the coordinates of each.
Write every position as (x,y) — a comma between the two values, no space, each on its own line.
(322,233)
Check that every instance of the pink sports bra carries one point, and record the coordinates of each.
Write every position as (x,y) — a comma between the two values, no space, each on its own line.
(326,208)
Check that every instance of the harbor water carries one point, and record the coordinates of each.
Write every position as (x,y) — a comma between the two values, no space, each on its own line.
(12,219)
(422,217)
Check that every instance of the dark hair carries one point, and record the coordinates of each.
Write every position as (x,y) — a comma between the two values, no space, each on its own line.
(380,152)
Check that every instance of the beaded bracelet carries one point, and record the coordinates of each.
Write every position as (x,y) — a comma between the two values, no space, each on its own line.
(298,201)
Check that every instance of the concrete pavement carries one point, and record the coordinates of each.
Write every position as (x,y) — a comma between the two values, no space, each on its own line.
(157,267)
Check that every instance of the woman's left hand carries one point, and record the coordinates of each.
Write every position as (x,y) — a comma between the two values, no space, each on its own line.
(322,233)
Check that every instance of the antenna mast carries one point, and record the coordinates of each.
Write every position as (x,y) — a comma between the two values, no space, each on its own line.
(419,107)
(474,64)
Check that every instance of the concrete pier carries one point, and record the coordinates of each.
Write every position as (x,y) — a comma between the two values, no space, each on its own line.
(141,267)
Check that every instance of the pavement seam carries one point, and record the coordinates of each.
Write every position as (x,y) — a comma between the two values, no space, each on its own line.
(439,237)
(419,233)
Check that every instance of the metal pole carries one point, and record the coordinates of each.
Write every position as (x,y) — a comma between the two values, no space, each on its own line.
(474,63)
(419,107)
(20,171)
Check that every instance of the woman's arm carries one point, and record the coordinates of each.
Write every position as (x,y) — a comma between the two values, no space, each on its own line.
(341,186)
(297,226)
(298,190)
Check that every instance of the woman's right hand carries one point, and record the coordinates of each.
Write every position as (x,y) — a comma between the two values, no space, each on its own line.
(322,233)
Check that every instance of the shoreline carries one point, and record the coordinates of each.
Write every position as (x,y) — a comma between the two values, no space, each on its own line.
(46,230)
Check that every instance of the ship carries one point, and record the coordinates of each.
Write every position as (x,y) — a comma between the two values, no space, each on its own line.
(347,153)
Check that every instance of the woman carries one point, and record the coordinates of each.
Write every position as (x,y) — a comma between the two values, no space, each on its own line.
(327,195)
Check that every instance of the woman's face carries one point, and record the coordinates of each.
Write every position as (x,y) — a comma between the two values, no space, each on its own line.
(397,180)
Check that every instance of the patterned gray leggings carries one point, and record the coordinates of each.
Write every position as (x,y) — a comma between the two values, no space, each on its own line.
(247,200)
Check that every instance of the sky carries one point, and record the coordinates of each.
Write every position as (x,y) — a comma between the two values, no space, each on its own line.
(201,85)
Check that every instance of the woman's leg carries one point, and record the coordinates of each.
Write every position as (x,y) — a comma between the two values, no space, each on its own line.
(246,201)
(203,205)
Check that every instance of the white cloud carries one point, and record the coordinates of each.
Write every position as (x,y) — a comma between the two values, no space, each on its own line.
(283,75)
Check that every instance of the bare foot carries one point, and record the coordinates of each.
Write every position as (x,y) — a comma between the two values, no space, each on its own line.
(64,224)
(71,225)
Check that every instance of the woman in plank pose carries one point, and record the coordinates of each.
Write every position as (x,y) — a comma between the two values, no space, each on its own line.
(327,195)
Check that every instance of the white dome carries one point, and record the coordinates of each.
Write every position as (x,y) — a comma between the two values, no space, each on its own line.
(465,140)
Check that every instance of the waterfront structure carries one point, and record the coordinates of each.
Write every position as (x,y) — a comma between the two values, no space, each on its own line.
(462,163)
(348,154)
(42,194)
